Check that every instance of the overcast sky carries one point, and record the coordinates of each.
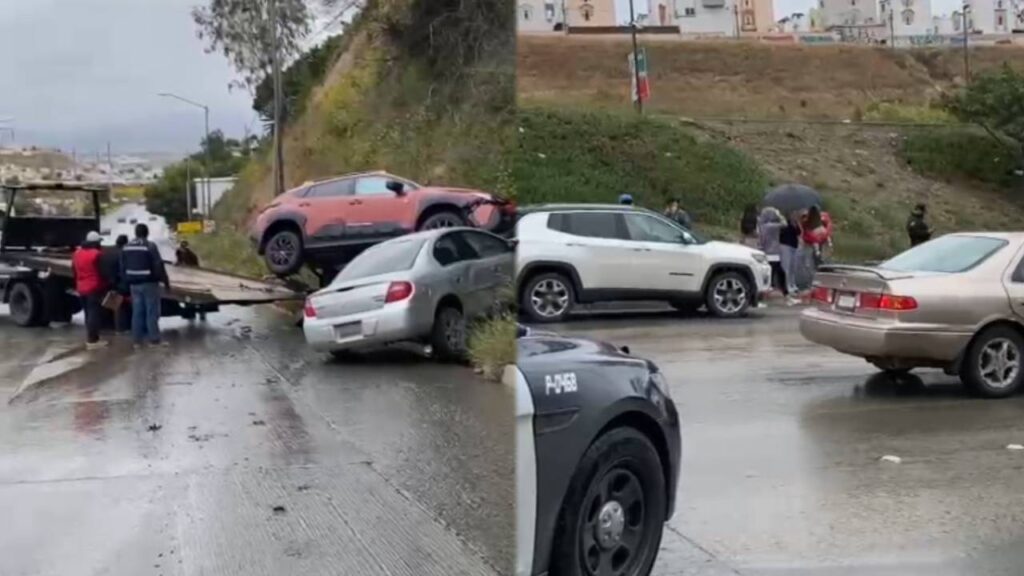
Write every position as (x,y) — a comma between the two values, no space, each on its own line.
(81,72)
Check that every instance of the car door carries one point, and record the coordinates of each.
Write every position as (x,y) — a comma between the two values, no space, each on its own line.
(325,208)
(455,257)
(596,247)
(493,267)
(1013,281)
(664,258)
(377,213)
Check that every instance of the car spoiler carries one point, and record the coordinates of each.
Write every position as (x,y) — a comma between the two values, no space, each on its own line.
(840,268)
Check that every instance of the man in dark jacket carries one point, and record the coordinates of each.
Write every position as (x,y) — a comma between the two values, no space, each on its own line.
(185,256)
(143,271)
(110,267)
(676,213)
(917,228)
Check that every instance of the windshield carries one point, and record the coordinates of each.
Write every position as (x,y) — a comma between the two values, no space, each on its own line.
(948,254)
(386,258)
(689,235)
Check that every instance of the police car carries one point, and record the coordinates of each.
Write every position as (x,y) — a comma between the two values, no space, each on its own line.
(597,440)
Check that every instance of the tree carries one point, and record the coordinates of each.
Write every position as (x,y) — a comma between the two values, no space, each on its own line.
(243,31)
(298,81)
(994,101)
(167,197)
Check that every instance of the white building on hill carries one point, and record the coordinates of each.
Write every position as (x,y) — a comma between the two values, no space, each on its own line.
(847,13)
(991,16)
(539,15)
(909,17)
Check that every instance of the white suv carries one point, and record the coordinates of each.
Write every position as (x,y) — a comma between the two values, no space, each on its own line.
(581,253)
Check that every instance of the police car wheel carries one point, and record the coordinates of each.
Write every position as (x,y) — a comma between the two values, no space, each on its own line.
(611,521)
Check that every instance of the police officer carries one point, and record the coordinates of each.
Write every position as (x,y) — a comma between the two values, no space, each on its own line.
(626,199)
(917,227)
(143,271)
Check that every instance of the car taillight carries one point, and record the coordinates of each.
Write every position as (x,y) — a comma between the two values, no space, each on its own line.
(398,291)
(822,294)
(309,310)
(887,302)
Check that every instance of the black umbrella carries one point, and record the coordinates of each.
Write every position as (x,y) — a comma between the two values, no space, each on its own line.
(790,198)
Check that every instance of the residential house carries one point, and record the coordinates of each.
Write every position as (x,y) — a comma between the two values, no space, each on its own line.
(848,13)
(617,13)
(590,13)
(708,17)
(755,17)
(947,24)
(794,24)
(909,18)
(991,16)
(540,15)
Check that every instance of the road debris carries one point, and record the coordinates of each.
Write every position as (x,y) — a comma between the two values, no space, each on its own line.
(279,510)
(1015,446)
(891,459)
(154,427)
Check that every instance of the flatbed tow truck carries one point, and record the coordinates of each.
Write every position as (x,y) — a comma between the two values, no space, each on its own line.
(36,280)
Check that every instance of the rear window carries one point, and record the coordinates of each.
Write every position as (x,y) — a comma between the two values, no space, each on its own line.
(947,254)
(387,258)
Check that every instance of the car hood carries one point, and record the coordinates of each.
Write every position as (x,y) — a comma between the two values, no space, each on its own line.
(730,250)
(464,191)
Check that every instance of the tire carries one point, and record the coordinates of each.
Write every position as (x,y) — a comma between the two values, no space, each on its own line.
(994,365)
(26,305)
(448,335)
(728,295)
(283,252)
(625,461)
(442,219)
(686,306)
(548,298)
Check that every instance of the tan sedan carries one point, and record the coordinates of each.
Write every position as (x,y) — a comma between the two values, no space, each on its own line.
(955,303)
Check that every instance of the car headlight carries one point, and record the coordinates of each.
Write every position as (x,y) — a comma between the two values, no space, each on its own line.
(658,381)
(760,258)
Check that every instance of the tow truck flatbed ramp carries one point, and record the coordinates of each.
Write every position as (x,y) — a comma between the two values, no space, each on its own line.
(188,285)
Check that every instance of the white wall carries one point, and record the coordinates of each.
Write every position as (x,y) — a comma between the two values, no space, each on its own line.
(218,187)
(705,19)
(849,12)
(981,15)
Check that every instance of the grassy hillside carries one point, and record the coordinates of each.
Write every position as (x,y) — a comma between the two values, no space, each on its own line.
(711,79)
(398,100)
(568,156)
(870,174)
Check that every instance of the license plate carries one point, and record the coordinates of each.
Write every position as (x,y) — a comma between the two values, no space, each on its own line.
(846,301)
(348,330)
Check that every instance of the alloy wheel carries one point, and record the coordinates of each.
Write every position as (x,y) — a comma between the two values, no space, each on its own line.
(282,250)
(999,363)
(612,531)
(443,221)
(730,295)
(549,298)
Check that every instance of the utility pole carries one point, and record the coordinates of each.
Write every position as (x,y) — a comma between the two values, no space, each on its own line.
(206,143)
(188,189)
(276,62)
(206,159)
(892,27)
(636,59)
(967,56)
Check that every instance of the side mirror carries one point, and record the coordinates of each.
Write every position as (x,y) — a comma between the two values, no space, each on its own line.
(512,243)
(396,187)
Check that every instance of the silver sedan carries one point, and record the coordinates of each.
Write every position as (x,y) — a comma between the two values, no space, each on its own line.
(420,287)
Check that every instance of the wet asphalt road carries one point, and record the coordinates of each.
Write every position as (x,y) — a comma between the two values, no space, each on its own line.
(781,447)
(237,451)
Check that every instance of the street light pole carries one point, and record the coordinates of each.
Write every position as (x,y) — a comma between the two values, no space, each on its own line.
(206,147)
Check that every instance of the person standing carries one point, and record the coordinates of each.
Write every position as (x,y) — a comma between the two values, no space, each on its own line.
(748,226)
(675,213)
(917,227)
(110,267)
(769,224)
(185,256)
(143,270)
(815,236)
(789,243)
(85,266)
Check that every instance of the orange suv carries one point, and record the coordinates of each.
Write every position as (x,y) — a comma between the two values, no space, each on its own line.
(328,223)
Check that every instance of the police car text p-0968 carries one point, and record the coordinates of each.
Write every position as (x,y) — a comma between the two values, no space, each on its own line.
(597,440)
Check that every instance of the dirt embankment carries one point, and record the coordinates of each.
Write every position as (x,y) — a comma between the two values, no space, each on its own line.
(744,79)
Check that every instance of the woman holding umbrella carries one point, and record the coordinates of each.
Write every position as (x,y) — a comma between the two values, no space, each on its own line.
(795,201)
